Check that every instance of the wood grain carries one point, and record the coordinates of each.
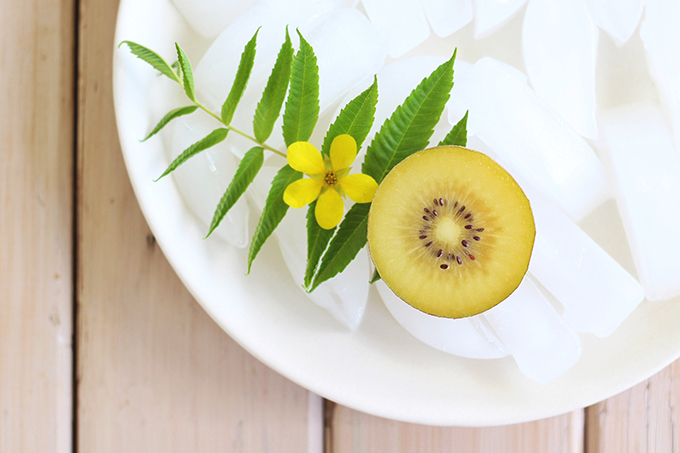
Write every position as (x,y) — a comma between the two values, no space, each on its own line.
(36,235)
(155,372)
(356,432)
(642,419)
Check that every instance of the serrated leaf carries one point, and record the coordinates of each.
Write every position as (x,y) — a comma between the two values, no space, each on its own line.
(187,73)
(274,210)
(247,169)
(317,242)
(152,58)
(458,135)
(355,119)
(345,245)
(245,67)
(176,113)
(411,125)
(302,106)
(269,107)
(376,277)
(206,142)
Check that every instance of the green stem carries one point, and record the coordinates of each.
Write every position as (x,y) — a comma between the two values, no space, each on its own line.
(237,131)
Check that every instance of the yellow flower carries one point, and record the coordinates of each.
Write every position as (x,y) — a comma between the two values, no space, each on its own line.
(329,180)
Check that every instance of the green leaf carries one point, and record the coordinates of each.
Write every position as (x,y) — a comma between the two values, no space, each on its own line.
(458,135)
(345,245)
(152,58)
(245,66)
(302,106)
(187,73)
(269,107)
(209,141)
(274,210)
(317,242)
(181,111)
(355,119)
(410,127)
(245,174)
(375,278)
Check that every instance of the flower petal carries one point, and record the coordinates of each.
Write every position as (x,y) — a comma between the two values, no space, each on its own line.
(304,157)
(359,187)
(302,192)
(343,151)
(329,209)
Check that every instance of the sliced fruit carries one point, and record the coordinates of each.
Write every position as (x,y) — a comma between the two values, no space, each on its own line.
(451,232)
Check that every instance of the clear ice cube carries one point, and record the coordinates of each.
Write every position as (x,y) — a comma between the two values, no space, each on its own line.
(346,294)
(512,120)
(401,23)
(395,83)
(619,18)
(216,71)
(660,35)
(348,49)
(209,17)
(465,337)
(559,41)
(646,173)
(542,344)
(447,16)
(490,15)
(203,179)
(597,293)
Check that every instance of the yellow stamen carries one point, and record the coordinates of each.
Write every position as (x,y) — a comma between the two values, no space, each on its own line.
(331,179)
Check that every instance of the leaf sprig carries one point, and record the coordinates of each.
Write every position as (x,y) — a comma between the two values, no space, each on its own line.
(294,80)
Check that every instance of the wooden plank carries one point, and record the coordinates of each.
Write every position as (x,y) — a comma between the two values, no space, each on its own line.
(641,419)
(357,432)
(155,372)
(36,227)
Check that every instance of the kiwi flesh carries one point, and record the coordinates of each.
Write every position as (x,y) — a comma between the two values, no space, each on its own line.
(450,232)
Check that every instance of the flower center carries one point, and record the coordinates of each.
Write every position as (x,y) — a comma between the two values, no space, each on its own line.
(330,178)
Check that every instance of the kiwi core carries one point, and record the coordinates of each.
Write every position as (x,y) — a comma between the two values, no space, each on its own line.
(447,231)
(450,232)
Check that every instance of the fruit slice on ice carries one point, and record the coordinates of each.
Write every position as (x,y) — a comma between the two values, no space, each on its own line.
(450,232)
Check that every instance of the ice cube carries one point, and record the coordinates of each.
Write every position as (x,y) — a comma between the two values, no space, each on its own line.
(447,16)
(345,295)
(465,337)
(661,37)
(542,344)
(401,23)
(512,120)
(461,100)
(619,18)
(490,15)
(596,292)
(203,179)
(395,83)
(646,173)
(348,49)
(215,72)
(559,40)
(209,17)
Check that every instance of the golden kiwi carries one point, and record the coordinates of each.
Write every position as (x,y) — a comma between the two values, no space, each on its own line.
(450,232)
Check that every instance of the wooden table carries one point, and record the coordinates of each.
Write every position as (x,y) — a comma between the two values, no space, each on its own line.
(102,348)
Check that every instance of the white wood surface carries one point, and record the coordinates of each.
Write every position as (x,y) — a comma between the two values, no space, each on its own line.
(153,372)
(36,227)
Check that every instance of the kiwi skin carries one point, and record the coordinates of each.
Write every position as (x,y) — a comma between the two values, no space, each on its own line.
(423,261)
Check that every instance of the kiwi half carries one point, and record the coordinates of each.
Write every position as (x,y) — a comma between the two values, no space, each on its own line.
(450,232)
